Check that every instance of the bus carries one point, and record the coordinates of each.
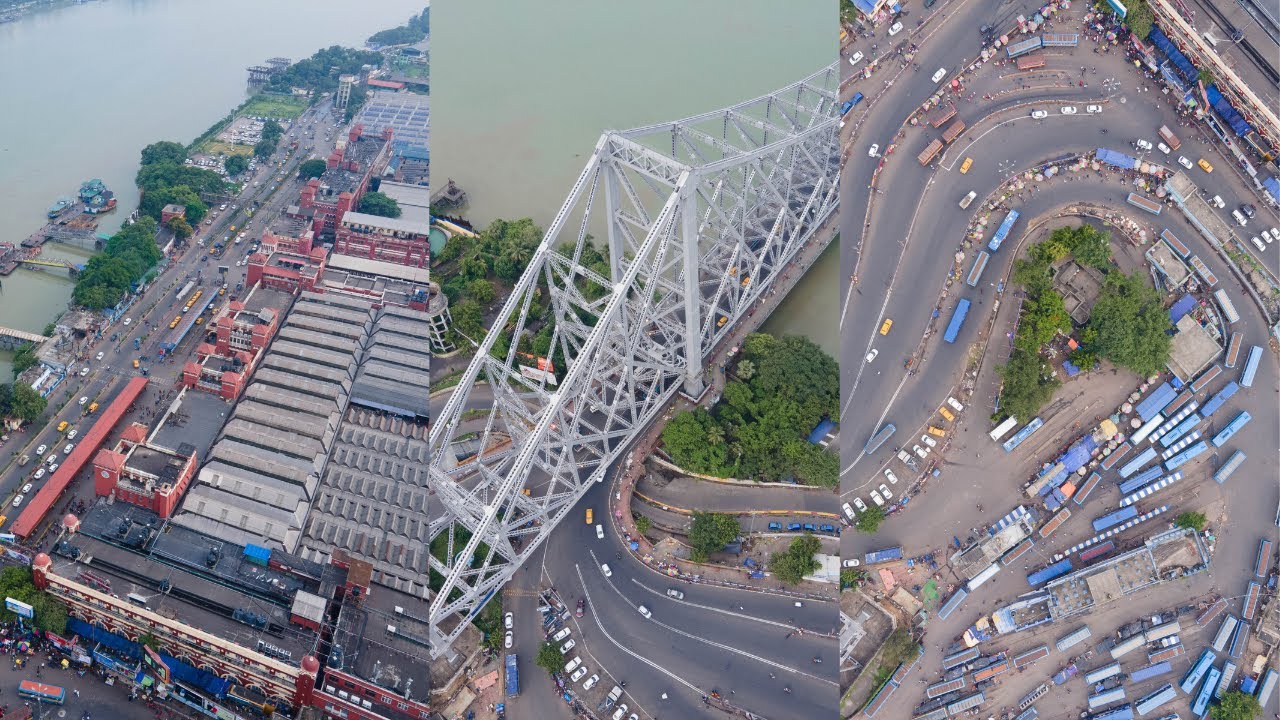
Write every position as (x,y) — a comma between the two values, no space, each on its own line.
(1003,428)
(49,694)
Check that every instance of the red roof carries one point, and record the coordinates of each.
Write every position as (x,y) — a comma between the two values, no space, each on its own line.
(386,84)
(85,449)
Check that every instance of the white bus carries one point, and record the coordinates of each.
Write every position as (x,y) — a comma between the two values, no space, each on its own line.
(1003,428)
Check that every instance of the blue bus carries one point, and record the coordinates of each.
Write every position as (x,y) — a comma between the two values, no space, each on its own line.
(1002,232)
(41,693)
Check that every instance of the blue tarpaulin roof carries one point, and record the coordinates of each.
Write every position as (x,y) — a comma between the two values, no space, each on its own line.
(1179,309)
(1180,61)
(1120,160)
(821,431)
(207,681)
(1272,186)
(1226,111)
(1072,370)
(865,6)
(1079,454)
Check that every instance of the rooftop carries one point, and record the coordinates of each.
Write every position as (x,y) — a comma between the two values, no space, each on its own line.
(364,151)
(407,114)
(358,266)
(385,647)
(1193,349)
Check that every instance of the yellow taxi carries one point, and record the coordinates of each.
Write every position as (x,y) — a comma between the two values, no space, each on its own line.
(590,516)
(136,363)
(964,167)
(937,432)
(886,326)
(1205,166)
(947,414)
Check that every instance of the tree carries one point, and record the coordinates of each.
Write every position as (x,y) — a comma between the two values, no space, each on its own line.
(1235,705)
(1205,77)
(272,130)
(1139,19)
(312,168)
(265,147)
(411,32)
(900,647)
(710,532)
(1192,521)
(164,151)
(1026,384)
(25,358)
(869,520)
(793,564)
(1089,245)
(642,524)
(154,201)
(849,577)
(468,319)
(481,291)
(377,203)
(28,404)
(50,614)
(1129,325)
(685,439)
(235,164)
(180,227)
(550,658)
(745,370)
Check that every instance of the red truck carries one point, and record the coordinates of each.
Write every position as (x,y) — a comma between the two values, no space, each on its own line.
(1169,138)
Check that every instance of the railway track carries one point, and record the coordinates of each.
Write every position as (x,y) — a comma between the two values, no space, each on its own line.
(1247,47)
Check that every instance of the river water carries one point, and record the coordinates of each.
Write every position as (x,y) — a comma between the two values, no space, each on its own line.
(521,92)
(86,87)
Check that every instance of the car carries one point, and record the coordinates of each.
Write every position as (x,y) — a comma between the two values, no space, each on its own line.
(928,441)
(605,569)
(672,592)
(886,326)
(964,166)
(893,479)
(848,510)
(508,621)
(645,612)
(1217,202)
(71,434)
(128,322)
(1184,162)
(100,355)
(1204,165)
(872,355)
(1248,210)
(40,450)
(884,490)
(775,527)
(53,468)
(617,714)
(509,640)
(828,528)
(1275,234)
(1269,236)
(1039,114)
(582,608)
(1164,148)
(1142,144)
(875,498)
(599,532)
(851,562)
(1258,243)
(895,28)
(578,674)
(809,527)
(857,502)
(855,58)
(573,664)
(39,474)
(569,645)
(874,150)
(794,527)
(590,682)
(83,400)
(1067,110)
(920,452)
(68,448)
(1093,109)
(84,371)
(564,633)
(17,500)
(27,488)
(942,72)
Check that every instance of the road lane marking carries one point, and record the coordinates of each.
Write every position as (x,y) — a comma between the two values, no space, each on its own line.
(743,616)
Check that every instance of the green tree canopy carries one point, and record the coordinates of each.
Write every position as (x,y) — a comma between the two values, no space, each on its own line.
(869,520)
(153,202)
(110,274)
(1235,705)
(1139,20)
(468,319)
(377,203)
(164,151)
(550,658)
(710,532)
(312,168)
(1192,521)
(16,582)
(793,564)
(180,227)
(415,30)
(27,404)
(1129,325)
(235,164)
(25,358)
(481,291)
(167,174)
(319,73)
(265,147)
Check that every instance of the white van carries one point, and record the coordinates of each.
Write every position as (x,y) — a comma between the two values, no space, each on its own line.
(1240,219)
(968,199)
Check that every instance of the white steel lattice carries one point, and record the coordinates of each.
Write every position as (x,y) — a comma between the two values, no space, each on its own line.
(699,216)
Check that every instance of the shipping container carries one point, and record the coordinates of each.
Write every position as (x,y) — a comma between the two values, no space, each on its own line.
(1033,696)
(1203,271)
(1166,654)
(1182,399)
(983,576)
(1018,551)
(1230,466)
(1106,697)
(1097,551)
(1239,640)
(1154,700)
(941,115)
(930,150)
(1141,479)
(953,131)
(1061,39)
(1031,656)
(1224,684)
(1117,455)
(1153,403)
(1205,378)
(1267,687)
(1055,522)
(1175,244)
(1174,419)
(1159,632)
(1169,138)
(1147,428)
(1126,646)
(942,688)
(1251,366)
(964,704)
(1252,590)
(1103,673)
(960,658)
(1088,488)
(991,671)
(1233,349)
(1024,47)
(1263,561)
(1182,444)
(952,603)
(1181,429)
(1030,62)
(1124,712)
(1029,714)
(1144,203)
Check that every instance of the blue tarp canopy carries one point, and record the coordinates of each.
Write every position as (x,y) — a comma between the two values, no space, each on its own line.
(821,431)
(1226,111)
(206,681)
(1179,309)
(1072,370)
(1079,454)
(865,6)
(1171,51)
(1272,186)
(1120,160)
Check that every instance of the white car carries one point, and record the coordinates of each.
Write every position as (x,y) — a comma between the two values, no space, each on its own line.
(1164,148)
(84,371)
(617,714)
(71,434)
(895,28)
(17,501)
(1039,114)
(69,447)
(1093,109)
(605,569)
(40,450)
(1218,202)
(857,502)
(851,562)
(564,633)
(53,468)
(128,322)
(1268,236)
(569,645)
(1067,110)
(848,510)
(573,665)
(26,488)
(1184,162)
(920,452)
(875,498)
(928,441)
(1258,243)
(874,150)
(590,682)
(893,479)
(100,355)
(884,490)
(942,72)
(509,640)
(52,459)
(84,400)
(508,621)
(645,612)
(855,58)
(872,355)
(1142,144)
(577,674)
(599,532)
(39,474)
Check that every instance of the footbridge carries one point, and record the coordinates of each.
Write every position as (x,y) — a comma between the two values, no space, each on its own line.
(697,218)
(73,268)
(11,339)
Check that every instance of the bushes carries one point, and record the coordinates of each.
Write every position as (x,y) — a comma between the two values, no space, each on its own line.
(791,565)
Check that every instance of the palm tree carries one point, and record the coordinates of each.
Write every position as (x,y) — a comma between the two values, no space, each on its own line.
(715,435)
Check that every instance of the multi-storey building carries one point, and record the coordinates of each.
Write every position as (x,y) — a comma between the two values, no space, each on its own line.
(143,474)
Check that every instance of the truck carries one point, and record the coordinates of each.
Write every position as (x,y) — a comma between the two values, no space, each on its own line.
(513,675)
(957,320)
(1169,138)
(926,155)
(882,556)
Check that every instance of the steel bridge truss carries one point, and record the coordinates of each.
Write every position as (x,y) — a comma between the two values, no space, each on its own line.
(698,218)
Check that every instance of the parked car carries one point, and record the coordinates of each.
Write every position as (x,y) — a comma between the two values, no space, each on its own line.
(569,645)
(1204,165)
(874,150)
(884,490)
(828,528)
(1248,210)
(855,58)
(1184,162)
(848,510)
(27,488)
(857,502)
(942,72)
(582,608)
(1039,114)
(66,450)
(564,633)
(1142,144)
(895,28)
(893,479)
(39,473)
(1068,110)
(71,434)
(509,640)
(1093,109)
(577,674)
(851,562)
(928,441)
(775,526)
(672,592)
(508,621)
(793,527)
(920,452)
(875,498)
(590,682)
(17,501)
(1164,148)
